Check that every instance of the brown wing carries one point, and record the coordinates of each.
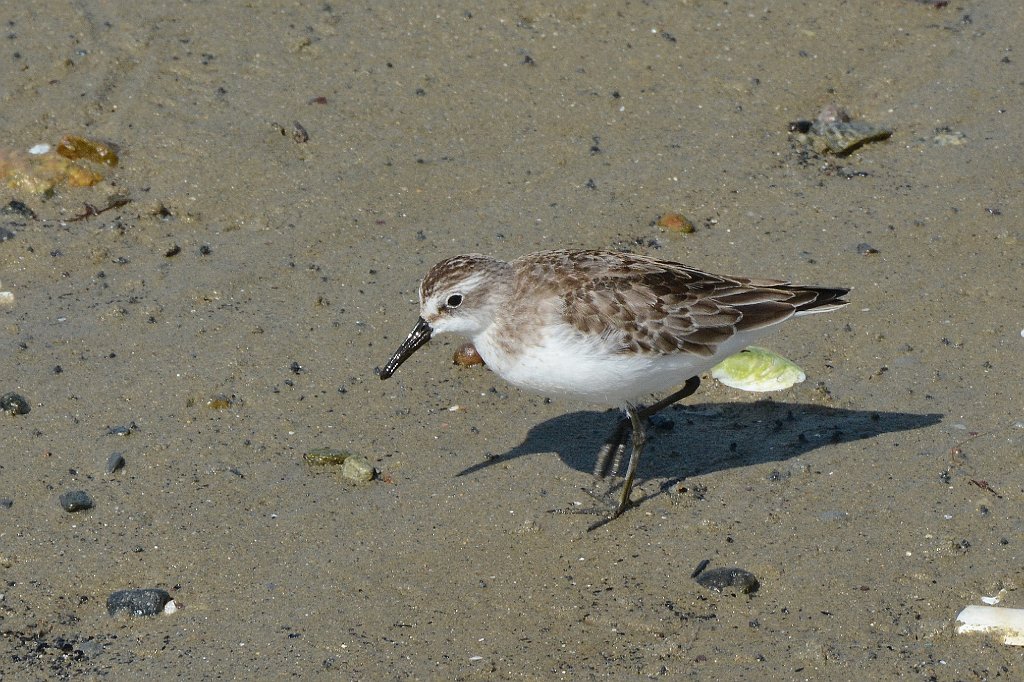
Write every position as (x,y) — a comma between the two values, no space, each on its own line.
(662,307)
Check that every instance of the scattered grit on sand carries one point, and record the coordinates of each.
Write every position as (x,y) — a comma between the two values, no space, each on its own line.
(185,330)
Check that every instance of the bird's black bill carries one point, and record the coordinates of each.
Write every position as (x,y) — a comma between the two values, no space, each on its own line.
(419,335)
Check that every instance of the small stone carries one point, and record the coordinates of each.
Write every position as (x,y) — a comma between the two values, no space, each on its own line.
(14,404)
(675,222)
(141,602)
(718,579)
(357,468)
(866,249)
(15,207)
(75,501)
(115,462)
(466,355)
(90,647)
(6,502)
(220,401)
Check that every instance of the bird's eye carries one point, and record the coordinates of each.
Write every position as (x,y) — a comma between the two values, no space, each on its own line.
(454,301)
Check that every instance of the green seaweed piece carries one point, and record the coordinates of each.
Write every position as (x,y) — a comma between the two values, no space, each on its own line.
(758,369)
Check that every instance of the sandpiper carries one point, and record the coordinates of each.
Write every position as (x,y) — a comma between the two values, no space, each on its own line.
(603,326)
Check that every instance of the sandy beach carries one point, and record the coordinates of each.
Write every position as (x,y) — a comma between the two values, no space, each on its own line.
(215,307)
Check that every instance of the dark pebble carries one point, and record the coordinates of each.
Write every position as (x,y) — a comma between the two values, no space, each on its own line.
(12,403)
(6,502)
(76,500)
(142,602)
(866,249)
(720,578)
(115,462)
(15,207)
(6,234)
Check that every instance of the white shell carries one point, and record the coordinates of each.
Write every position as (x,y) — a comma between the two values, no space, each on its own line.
(993,620)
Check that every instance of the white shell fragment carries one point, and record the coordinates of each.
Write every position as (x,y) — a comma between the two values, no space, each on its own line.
(40,148)
(757,369)
(993,620)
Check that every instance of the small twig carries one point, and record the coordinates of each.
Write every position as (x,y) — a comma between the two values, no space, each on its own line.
(985,486)
(91,210)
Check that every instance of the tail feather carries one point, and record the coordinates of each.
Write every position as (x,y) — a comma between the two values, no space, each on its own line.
(826,299)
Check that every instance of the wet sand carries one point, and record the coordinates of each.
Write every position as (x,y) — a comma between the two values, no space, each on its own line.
(873,501)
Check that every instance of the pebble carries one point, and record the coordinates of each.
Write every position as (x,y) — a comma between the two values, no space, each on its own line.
(353,467)
(139,602)
(115,462)
(14,404)
(19,208)
(466,355)
(222,401)
(675,222)
(718,579)
(833,131)
(75,501)
(6,502)
(357,468)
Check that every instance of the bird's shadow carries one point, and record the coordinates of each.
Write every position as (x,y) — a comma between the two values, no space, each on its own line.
(688,440)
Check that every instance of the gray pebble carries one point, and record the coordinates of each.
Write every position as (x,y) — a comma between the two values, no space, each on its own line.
(76,500)
(6,502)
(718,579)
(91,647)
(141,602)
(115,462)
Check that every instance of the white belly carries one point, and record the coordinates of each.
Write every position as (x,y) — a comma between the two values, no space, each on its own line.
(568,364)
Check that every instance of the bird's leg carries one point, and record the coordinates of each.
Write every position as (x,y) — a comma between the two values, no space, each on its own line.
(609,457)
(639,440)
